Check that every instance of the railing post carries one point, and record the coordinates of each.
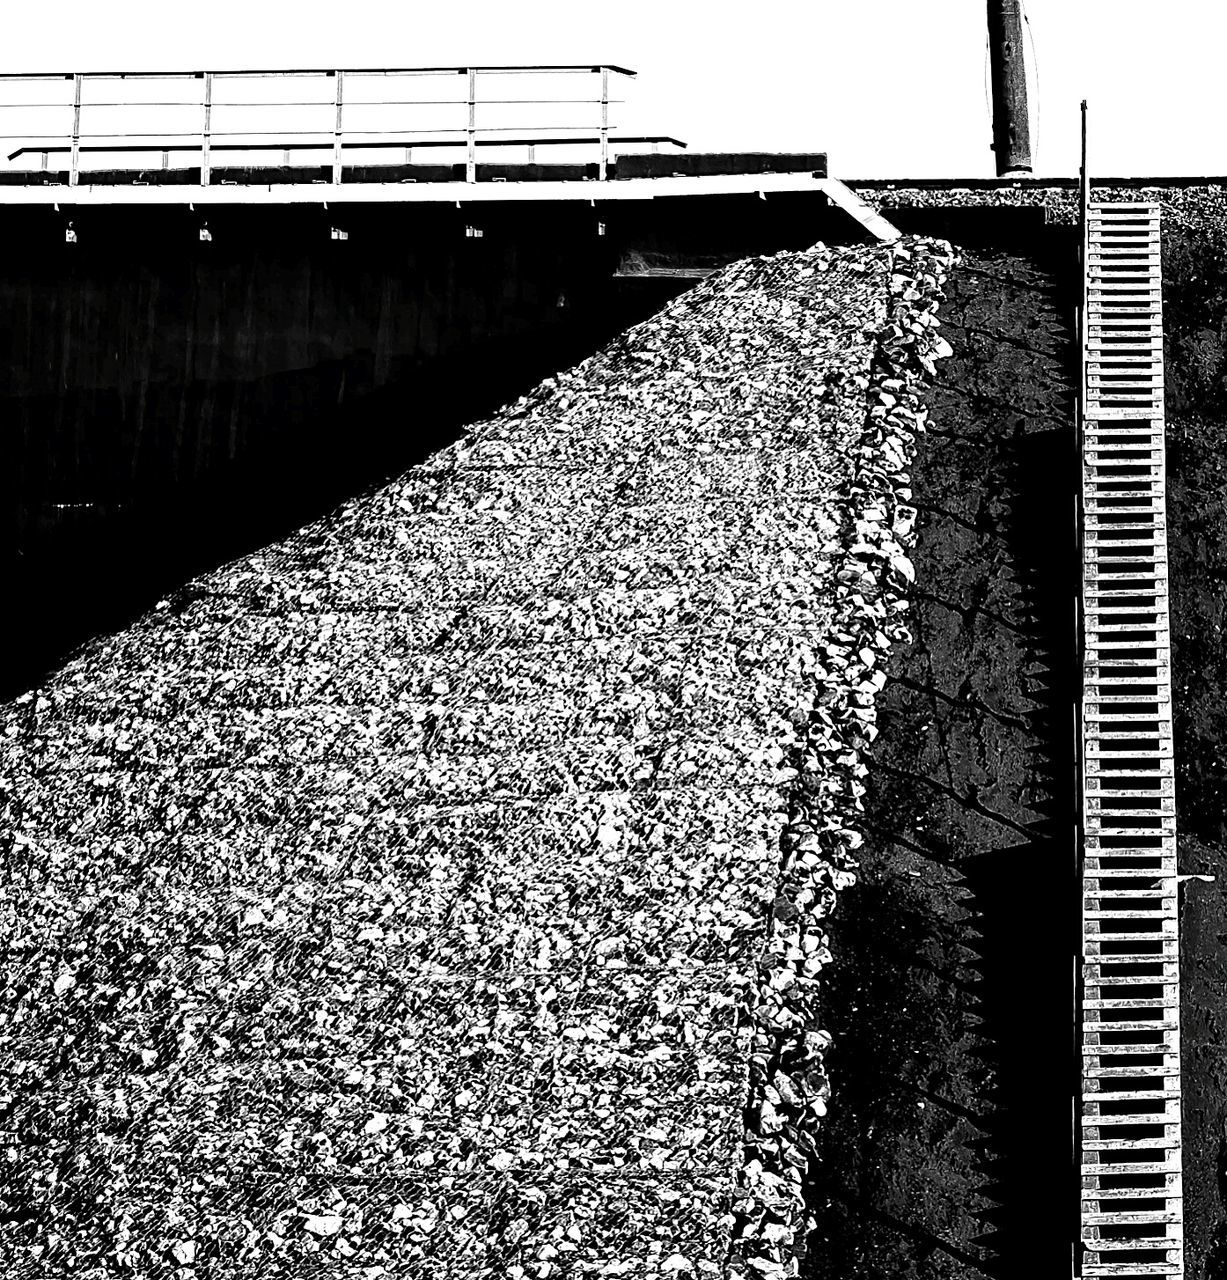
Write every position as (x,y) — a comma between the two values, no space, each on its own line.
(470,162)
(74,169)
(1080,642)
(208,128)
(604,124)
(336,139)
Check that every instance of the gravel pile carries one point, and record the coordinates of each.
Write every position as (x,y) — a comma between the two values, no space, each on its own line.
(407,899)
(871,574)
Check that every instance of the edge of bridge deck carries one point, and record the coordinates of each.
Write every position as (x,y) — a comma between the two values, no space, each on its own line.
(458,193)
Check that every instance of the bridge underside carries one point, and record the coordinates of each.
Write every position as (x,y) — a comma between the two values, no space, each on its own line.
(171,402)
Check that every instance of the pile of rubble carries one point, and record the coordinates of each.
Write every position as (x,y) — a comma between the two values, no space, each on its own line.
(406,899)
(871,576)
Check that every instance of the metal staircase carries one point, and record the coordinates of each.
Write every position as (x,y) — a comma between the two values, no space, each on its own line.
(1131,1212)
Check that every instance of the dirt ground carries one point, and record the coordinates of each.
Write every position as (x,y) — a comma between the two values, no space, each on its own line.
(950,998)
(1195,325)
(952,991)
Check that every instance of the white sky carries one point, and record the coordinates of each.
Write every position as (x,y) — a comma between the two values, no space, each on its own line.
(891,88)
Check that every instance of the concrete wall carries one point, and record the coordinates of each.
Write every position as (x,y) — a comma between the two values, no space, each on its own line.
(141,358)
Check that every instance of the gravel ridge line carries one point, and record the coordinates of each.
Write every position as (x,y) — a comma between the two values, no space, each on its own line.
(789,1089)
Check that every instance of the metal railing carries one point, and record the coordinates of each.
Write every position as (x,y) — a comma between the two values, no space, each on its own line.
(336,115)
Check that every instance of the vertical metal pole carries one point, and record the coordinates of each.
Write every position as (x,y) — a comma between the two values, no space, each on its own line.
(1079,675)
(75,166)
(470,163)
(336,138)
(1011,123)
(1085,190)
(1084,203)
(604,124)
(208,129)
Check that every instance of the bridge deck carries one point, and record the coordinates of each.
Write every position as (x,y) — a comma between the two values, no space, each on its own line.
(408,192)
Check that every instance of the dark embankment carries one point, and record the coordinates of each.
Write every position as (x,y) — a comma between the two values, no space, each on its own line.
(1195,326)
(951,993)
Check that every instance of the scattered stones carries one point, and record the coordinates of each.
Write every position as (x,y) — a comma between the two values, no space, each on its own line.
(407,896)
(1186,204)
(789,1090)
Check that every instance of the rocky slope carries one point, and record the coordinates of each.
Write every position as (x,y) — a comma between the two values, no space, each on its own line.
(443,891)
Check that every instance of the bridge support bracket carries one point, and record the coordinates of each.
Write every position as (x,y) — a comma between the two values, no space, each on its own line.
(847,200)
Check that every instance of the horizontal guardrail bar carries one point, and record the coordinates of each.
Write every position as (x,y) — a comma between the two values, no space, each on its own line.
(108,113)
(527,68)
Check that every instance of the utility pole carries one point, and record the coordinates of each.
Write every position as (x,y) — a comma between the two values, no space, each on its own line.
(1011,124)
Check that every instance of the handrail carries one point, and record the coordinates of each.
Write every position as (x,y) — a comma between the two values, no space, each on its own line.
(135,126)
(315,71)
(637,139)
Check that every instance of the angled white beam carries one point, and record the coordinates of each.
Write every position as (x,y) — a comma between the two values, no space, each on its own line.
(855,207)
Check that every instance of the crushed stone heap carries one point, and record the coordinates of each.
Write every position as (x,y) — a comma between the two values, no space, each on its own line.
(436,893)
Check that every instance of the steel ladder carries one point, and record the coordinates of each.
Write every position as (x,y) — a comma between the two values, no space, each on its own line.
(1131,1212)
